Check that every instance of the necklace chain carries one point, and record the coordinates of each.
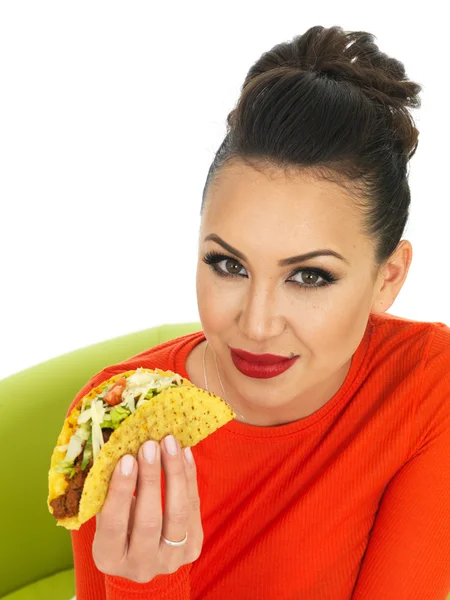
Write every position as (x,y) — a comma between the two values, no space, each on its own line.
(219,377)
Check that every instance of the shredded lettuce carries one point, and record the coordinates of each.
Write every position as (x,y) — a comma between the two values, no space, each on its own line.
(117,415)
(147,396)
(87,452)
(84,431)
(87,455)
(97,417)
(74,449)
(65,467)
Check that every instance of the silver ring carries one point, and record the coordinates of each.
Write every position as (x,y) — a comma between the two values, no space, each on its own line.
(183,541)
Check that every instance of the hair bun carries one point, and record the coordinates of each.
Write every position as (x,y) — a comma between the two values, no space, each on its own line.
(353,57)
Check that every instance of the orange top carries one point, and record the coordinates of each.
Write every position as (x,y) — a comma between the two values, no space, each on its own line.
(351,502)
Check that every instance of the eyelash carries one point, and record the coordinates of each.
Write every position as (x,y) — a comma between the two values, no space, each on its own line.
(213,258)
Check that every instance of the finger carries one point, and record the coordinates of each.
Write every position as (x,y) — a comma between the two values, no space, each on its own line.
(146,531)
(176,509)
(111,537)
(131,519)
(195,530)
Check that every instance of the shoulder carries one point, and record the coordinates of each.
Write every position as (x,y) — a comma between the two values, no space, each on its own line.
(433,395)
(408,343)
(410,360)
(420,349)
(168,356)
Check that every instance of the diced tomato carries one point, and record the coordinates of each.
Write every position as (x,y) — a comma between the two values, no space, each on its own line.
(114,396)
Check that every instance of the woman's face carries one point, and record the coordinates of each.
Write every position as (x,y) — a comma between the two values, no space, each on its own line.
(252,298)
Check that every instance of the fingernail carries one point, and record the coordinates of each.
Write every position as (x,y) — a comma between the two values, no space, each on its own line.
(150,451)
(171,445)
(126,465)
(188,455)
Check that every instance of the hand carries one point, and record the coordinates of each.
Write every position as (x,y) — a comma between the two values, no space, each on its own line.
(128,539)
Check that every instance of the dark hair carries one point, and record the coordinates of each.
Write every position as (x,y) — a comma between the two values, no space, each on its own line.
(331,103)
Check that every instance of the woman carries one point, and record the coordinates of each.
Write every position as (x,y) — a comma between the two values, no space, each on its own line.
(333,481)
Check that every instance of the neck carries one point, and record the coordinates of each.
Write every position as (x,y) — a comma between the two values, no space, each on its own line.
(218,379)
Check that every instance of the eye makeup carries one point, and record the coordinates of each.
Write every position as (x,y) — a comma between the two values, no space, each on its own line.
(214,260)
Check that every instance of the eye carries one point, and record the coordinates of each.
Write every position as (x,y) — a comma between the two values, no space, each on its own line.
(224,265)
(230,266)
(310,278)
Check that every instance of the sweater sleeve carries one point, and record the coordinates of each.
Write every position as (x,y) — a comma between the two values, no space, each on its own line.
(408,555)
(92,584)
(89,581)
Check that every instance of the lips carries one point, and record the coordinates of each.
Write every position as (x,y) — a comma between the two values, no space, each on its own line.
(260,366)
(263,359)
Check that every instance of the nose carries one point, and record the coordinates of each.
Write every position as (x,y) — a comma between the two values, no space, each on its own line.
(260,318)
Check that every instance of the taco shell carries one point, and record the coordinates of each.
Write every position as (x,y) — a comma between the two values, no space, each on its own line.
(189,413)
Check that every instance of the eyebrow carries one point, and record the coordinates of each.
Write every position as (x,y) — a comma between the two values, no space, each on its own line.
(285,261)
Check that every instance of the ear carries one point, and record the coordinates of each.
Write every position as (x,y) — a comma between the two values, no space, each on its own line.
(391,278)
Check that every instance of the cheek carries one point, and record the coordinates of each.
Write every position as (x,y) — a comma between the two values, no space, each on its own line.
(334,325)
(217,306)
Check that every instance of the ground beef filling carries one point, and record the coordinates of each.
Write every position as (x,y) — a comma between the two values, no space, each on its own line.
(67,505)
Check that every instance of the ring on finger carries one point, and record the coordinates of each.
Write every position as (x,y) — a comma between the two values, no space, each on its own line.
(181,543)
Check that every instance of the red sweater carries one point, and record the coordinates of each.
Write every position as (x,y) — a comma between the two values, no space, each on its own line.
(349,503)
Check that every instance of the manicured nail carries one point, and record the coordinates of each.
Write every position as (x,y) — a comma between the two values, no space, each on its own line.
(126,465)
(150,451)
(171,445)
(188,455)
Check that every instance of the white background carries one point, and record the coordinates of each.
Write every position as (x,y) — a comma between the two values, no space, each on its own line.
(110,116)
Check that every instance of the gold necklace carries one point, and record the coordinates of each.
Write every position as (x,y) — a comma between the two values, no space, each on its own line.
(219,377)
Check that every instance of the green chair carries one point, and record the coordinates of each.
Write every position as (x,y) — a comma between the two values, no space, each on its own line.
(35,555)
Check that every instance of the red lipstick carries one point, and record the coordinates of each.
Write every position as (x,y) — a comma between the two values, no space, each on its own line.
(260,366)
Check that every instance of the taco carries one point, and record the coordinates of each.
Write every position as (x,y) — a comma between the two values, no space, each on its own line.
(116,418)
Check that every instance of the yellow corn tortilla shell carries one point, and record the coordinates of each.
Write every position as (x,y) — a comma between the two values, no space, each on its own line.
(188,413)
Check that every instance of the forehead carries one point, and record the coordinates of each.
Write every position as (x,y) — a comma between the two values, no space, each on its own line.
(244,202)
